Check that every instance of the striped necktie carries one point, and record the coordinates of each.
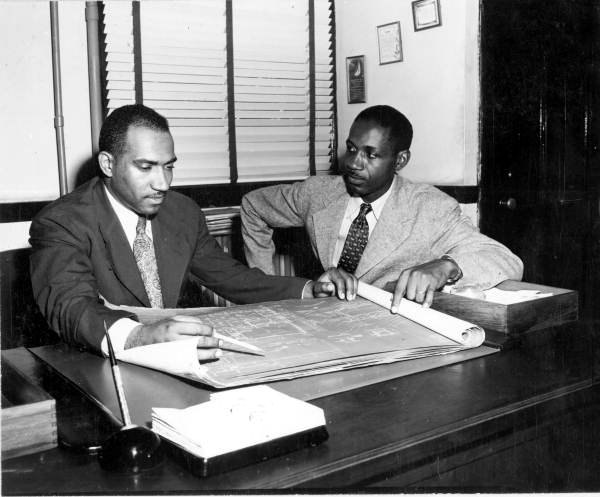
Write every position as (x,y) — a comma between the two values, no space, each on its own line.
(143,252)
(356,241)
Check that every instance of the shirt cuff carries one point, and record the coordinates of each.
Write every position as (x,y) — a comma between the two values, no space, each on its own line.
(118,333)
(450,281)
(307,291)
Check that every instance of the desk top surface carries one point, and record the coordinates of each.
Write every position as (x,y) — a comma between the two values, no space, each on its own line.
(373,430)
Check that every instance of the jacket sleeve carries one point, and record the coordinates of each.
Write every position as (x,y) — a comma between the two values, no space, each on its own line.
(235,281)
(483,261)
(262,210)
(63,282)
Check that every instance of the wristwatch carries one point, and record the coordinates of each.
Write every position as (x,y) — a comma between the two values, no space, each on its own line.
(458,276)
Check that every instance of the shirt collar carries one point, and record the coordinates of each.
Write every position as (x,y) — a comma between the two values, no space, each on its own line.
(376,205)
(127,217)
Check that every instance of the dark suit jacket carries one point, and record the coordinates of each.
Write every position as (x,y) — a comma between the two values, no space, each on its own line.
(80,251)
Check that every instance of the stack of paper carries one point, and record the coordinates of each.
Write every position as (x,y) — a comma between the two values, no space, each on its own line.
(236,419)
(496,295)
(513,296)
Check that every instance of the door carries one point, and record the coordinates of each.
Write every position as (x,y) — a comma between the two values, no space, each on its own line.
(540,161)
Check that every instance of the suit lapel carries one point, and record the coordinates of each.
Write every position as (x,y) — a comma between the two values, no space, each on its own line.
(389,231)
(117,247)
(327,226)
(169,247)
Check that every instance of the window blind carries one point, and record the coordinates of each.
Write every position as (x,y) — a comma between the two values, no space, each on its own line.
(118,40)
(324,86)
(183,52)
(271,65)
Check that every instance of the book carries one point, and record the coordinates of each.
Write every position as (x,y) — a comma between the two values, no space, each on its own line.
(306,337)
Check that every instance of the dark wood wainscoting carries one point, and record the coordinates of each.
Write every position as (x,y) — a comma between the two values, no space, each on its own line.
(21,323)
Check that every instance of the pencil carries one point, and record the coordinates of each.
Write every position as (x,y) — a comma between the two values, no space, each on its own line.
(234,345)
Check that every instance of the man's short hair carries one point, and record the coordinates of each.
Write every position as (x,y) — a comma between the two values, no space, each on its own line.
(387,117)
(113,134)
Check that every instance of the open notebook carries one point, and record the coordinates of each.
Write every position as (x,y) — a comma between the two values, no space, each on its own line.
(307,337)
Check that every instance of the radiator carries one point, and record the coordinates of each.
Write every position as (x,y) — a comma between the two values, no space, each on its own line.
(223,224)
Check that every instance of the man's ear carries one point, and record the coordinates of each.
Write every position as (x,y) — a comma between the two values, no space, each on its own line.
(106,163)
(402,159)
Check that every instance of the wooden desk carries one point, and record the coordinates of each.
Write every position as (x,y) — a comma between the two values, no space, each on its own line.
(523,419)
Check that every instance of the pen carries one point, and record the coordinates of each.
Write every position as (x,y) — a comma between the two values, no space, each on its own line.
(116,373)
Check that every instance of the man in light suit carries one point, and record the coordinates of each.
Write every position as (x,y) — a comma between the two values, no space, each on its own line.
(125,237)
(418,239)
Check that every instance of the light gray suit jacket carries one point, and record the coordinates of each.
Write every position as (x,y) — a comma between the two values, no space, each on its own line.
(418,223)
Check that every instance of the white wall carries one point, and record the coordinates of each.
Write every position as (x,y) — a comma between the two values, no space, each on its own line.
(436,85)
(26,104)
(76,100)
(14,235)
(29,165)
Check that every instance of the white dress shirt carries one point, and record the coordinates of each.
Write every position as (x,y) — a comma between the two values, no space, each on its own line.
(352,210)
(121,328)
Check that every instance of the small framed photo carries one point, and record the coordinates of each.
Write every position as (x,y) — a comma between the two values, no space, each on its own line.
(426,14)
(355,76)
(390,43)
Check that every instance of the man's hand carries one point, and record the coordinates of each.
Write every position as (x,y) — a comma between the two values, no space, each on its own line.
(334,281)
(418,283)
(177,328)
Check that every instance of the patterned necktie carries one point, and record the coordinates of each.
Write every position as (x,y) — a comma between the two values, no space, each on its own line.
(143,252)
(356,241)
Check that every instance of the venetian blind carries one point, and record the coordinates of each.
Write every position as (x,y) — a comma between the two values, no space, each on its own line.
(324,89)
(118,39)
(271,65)
(183,54)
(184,78)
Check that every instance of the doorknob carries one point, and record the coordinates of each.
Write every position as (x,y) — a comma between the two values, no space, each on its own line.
(508,203)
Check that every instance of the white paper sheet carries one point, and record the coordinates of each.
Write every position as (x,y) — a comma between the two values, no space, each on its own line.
(463,332)
(512,296)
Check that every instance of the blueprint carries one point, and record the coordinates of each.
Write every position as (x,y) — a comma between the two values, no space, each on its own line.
(298,337)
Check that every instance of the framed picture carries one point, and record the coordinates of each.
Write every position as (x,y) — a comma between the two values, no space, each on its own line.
(426,14)
(390,43)
(355,76)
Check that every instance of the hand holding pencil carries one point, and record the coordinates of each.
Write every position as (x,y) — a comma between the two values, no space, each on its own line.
(223,342)
(210,344)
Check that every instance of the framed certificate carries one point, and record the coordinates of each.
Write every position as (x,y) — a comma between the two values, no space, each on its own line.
(426,14)
(390,43)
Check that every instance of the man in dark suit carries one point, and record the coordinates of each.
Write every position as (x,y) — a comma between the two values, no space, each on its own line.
(124,237)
